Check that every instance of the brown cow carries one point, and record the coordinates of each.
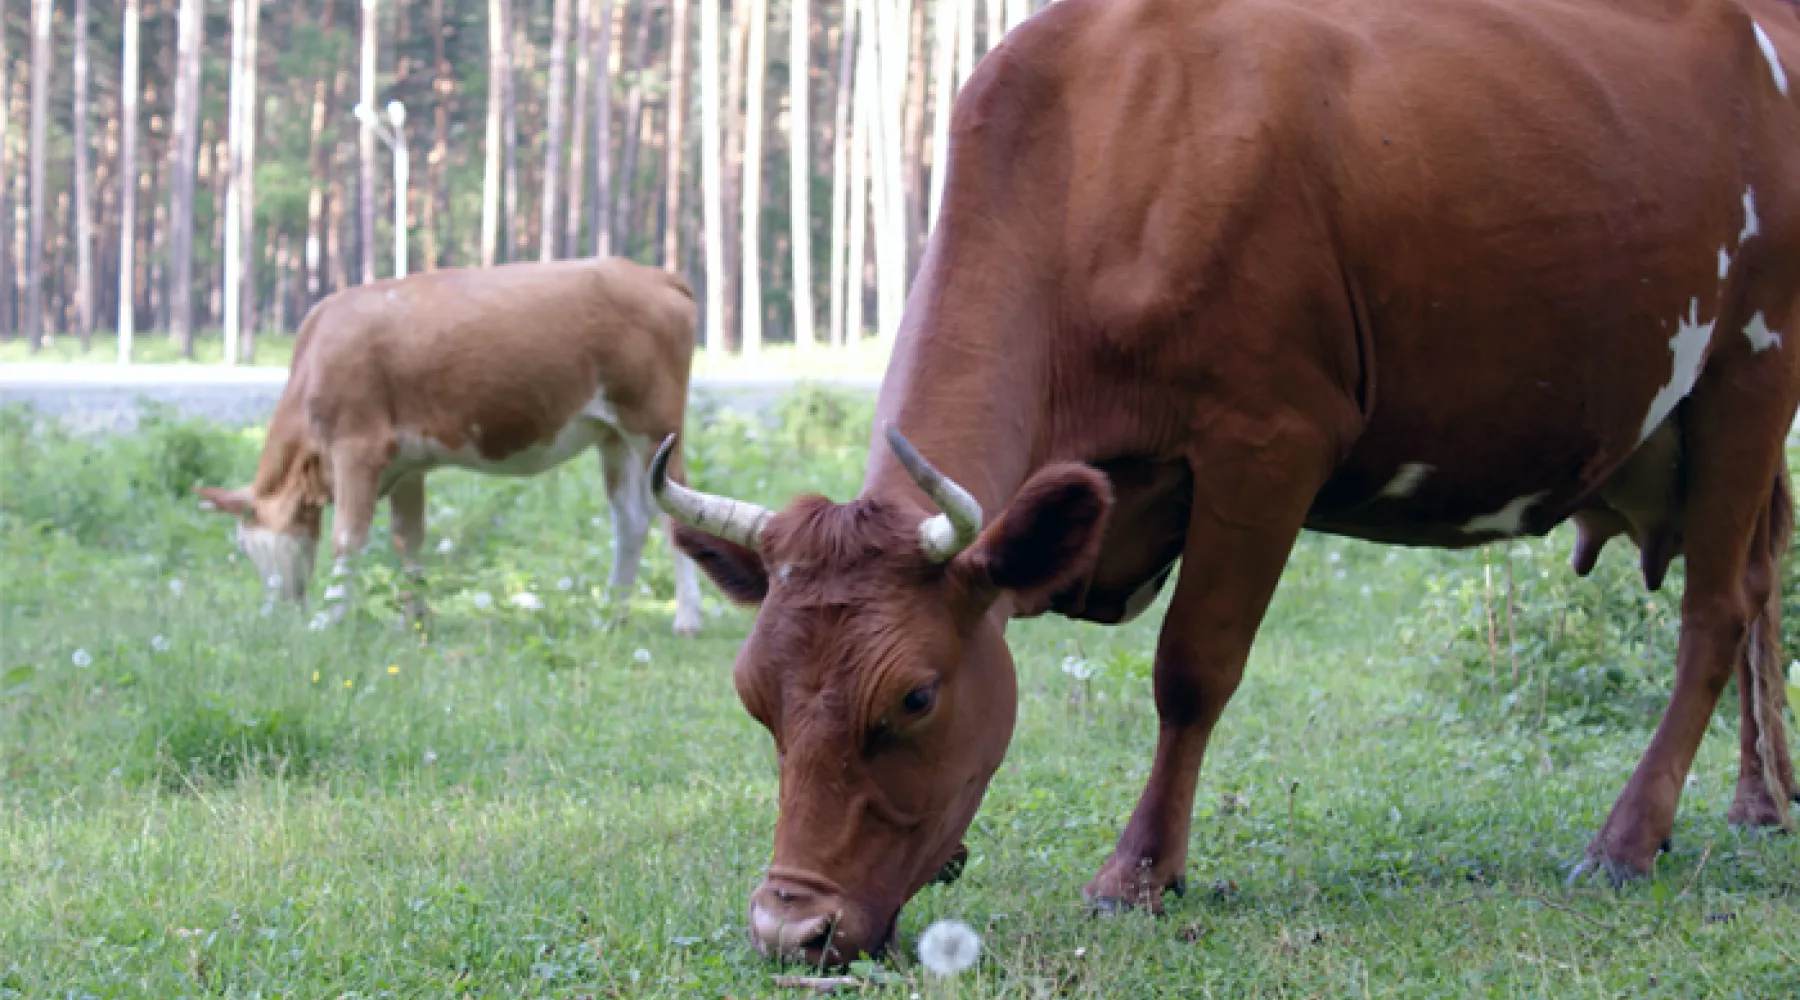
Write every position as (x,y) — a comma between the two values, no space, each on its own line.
(1209,272)
(508,371)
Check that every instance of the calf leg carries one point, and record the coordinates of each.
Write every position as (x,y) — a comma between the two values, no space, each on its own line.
(629,496)
(406,508)
(1737,420)
(356,485)
(1249,502)
(687,579)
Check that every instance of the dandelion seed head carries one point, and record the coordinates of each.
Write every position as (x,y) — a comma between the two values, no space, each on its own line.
(81,658)
(528,600)
(642,655)
(1077,668)
(159,644)
(483,600)
(445,547)
(565,584)
(430,757)
(949,947)
(175,587)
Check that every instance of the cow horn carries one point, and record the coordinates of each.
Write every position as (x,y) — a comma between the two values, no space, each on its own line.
(944,535)
(723,517)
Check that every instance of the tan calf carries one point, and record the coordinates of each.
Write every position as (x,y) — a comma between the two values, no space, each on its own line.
(511,370)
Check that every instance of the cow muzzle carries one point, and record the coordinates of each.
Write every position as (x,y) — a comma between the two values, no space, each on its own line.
(796,918)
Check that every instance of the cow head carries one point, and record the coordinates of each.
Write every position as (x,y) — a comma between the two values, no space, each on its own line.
(878,663)
(278,543)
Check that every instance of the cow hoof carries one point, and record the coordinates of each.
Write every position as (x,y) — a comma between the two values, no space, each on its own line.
(953,868)
(686,630)
(1618,873)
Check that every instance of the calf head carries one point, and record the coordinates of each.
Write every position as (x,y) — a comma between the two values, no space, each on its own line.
(878,663)
(279,535)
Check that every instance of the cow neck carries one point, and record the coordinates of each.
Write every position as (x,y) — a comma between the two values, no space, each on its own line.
(964,386)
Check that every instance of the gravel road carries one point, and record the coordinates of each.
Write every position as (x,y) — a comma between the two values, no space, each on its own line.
(103,398)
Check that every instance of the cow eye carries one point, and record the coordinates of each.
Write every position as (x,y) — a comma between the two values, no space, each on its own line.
(919,700)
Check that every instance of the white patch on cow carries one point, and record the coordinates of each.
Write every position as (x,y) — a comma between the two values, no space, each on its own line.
(1405,482)
(1751,225)
(1724,263)
(1768,51)
(1689,347)
(1761,337)
(1508,520)
(418,452)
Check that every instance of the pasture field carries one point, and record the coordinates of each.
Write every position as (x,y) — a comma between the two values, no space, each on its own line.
(200,799)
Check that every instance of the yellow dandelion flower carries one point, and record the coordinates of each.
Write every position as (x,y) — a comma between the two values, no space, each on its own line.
(315,677)
(393,668)
(349,682)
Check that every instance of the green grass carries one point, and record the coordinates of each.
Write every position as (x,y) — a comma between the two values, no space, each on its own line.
(868,359)
(200,800)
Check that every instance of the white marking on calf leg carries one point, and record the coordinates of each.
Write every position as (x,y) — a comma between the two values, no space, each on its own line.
(1508,520)
(1405,482)
(1689,347)
(1724,263)
(1768,51)
(628,492)
(1761,337)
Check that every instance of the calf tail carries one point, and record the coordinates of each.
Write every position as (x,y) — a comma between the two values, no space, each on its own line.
(1768,685)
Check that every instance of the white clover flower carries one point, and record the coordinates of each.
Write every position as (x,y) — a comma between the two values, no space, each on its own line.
(175,587)
(159,644)
(483,600)
(320,622)
(565,584)
(949,947)
(1077,668)
(528,600)
(642,655)
(335,592)
(430,757)
(594,521)
(446,546)
(81,658)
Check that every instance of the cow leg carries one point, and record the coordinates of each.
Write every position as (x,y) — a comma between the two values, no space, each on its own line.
(1736,423)
(628,493)
(406,509)
(687,578)
(1250,499)
(356,486)
(1765,770)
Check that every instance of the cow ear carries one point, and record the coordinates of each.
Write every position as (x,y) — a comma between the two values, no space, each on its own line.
(736,570)
(240,502)
(1047,538)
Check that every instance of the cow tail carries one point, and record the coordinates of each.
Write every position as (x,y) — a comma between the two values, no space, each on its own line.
(1768,685)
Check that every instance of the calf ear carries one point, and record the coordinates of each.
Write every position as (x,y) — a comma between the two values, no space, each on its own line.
(239,502)
(1048,537)
(736,570)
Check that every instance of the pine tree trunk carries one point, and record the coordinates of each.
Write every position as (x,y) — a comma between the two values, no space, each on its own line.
(365,144)
(338,266)
(732,181)
(862,153)
(318,156)
(7,268)
(800,170)
(965,41)
(185,139)
(945,32)
(246,184)
(756,64)
(996,23)
(914,151)
(601,214)
(443,84)
(676,139)
(42,14)
(1016,11)
(584,36)
(553,128)
(128,181)
(234,200)
(634,117)
(509,137)
(496,96)
(840,169)
(84,220)
(711,209)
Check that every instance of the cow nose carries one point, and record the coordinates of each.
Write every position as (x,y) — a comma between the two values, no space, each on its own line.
(791,921)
